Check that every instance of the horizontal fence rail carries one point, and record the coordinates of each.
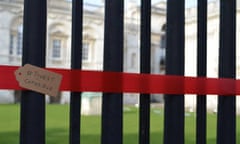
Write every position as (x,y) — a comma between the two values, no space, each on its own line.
(96,81)
(113,81)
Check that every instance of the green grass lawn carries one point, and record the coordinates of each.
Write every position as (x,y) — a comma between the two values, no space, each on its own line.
(58,120)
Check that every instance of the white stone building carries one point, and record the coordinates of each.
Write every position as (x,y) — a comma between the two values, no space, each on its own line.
(58,35)
(212,49)
(59,40)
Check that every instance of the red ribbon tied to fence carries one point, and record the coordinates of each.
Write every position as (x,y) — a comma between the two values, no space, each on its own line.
(118,82)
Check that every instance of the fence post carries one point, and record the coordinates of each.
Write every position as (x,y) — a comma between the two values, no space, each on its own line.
(32,127)
(76,63)
(226,125)
(174,105)
(112,107)
(201,69)
(145,67)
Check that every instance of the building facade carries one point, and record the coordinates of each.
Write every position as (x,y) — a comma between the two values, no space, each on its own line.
(59,41)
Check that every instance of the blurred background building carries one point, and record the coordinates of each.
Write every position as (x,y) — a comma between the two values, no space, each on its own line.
(59,42)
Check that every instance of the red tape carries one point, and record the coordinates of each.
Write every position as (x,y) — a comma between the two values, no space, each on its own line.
(117,82)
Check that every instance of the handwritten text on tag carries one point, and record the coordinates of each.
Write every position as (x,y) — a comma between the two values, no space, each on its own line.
(38,79)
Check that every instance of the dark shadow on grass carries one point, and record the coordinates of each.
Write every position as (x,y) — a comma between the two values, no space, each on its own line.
(9,137)
(90,139)
(157,138)
(57,136)
(61,136)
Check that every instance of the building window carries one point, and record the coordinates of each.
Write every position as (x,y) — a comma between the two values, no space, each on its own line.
(19,39)
(133,60)
(163,41)
(11,46)
(56,48)
(16,41)
(85,51)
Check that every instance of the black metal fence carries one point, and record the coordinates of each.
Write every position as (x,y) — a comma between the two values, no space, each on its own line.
(34,41)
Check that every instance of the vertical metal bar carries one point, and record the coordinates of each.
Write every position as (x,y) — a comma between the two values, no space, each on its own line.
(113,61)
(32,127)
(145,67)
(226,126)
(174,104)
(76,63)
(201,69)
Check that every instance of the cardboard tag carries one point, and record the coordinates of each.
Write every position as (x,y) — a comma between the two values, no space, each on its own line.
(38,79)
